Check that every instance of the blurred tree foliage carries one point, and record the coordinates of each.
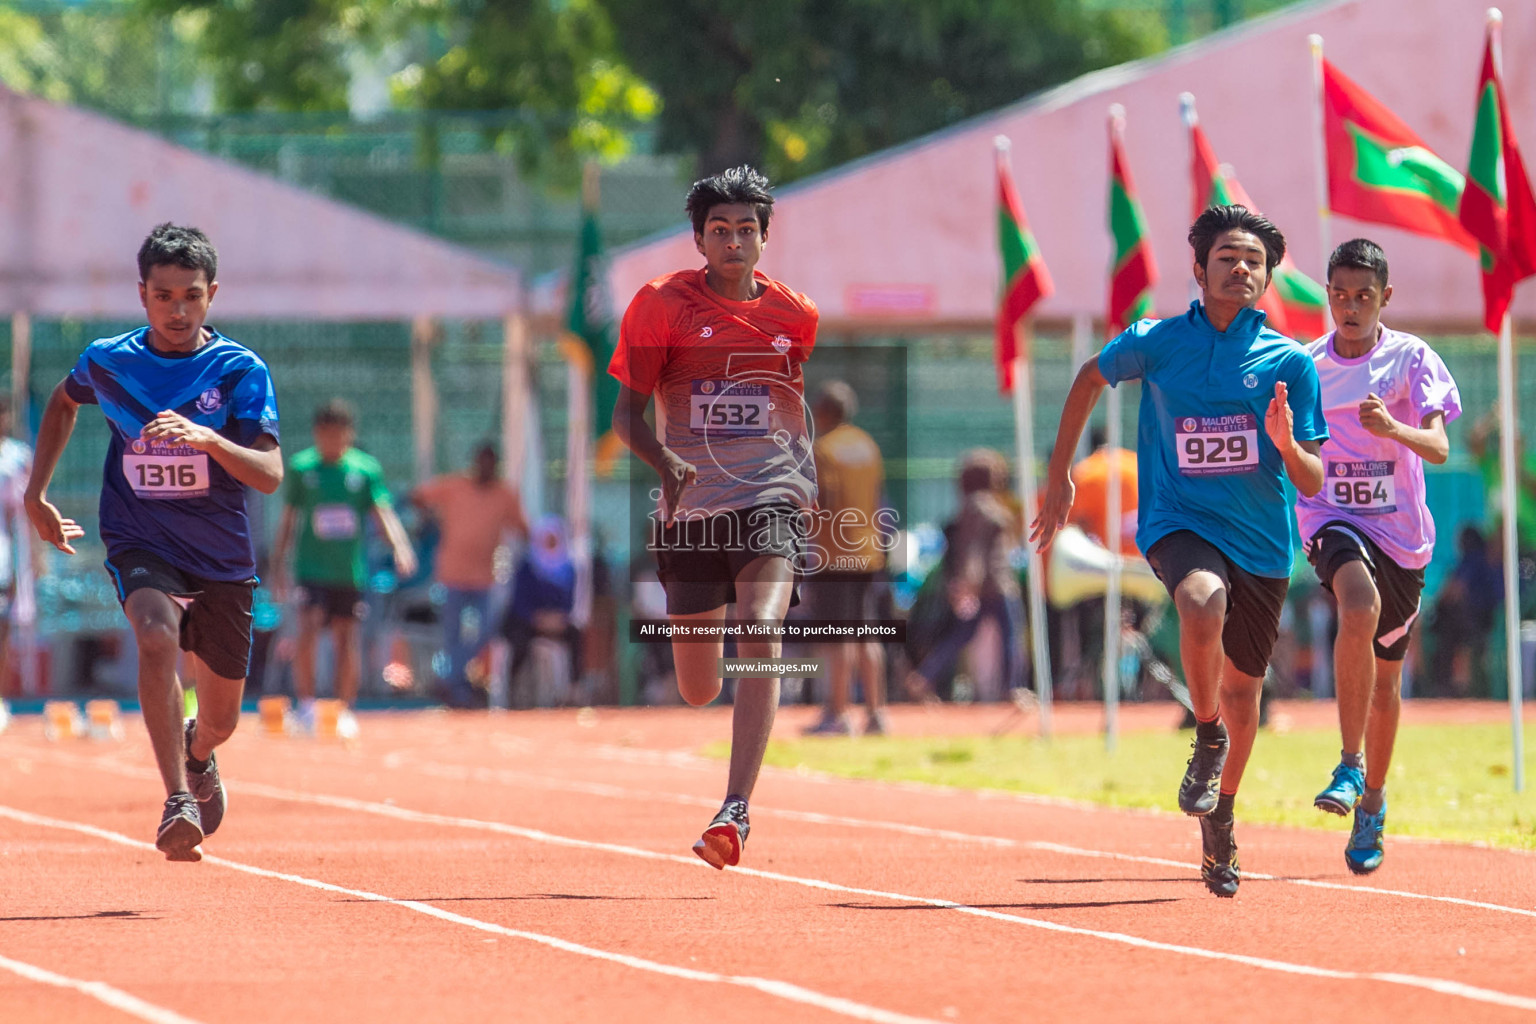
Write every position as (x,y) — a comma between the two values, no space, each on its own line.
(794,86)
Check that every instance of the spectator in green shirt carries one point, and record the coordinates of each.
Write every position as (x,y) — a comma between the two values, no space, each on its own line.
(329,490)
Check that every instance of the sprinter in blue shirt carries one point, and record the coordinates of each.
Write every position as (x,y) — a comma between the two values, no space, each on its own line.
(1229,411)
(194,422)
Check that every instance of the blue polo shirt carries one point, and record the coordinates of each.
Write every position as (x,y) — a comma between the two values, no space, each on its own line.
(1205,463)
(164,498)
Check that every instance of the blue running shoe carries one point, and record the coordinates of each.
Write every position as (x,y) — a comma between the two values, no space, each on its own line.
(1344,792)
(1363,854)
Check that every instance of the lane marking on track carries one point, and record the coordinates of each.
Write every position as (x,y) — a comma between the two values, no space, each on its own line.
(1442,986)
(768,986)
(508,776)
(98,990)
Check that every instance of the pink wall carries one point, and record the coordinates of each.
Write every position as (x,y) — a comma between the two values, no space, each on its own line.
(913,230)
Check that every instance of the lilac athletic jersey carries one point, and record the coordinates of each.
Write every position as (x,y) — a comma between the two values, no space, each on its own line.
(1376,484)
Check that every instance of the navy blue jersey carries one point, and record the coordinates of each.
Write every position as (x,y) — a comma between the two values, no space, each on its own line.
(162,497)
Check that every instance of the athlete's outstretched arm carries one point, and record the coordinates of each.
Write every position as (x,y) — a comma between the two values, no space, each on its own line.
(1056,502)
(52,438)
(1302,463)
(259,466)
(629,423)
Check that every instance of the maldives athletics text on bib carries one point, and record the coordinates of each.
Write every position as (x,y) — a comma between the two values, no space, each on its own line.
(159,470)
(1211,445)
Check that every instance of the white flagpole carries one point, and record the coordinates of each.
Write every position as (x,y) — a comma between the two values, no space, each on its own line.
(1190,118)
(1112,602)
(1039,637)
(1507,485)
(1320,161)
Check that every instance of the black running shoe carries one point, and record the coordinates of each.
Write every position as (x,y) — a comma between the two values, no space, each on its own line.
(720,846)
(205,785)
(181,829)
(1218,865)
(1202,778)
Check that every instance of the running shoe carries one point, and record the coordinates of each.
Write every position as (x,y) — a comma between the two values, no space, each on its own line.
(1344,792)
(720,846)
(1218,865)
(181,829)
(878,723)
(831,725)
(206,786)
(1364,853)
(1202,778)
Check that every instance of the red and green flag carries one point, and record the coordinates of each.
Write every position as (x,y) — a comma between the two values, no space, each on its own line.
(1293,304)
(1133,272)
(1380,171)
(1497,207)
(1025,279)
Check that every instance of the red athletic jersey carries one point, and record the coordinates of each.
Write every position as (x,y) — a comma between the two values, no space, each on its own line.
(730,394)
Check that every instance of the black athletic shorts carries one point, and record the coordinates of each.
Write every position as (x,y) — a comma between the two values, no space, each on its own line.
(1253,602)
(216,616)
(1338,542)
(697,560)
(841,596)
(335,601)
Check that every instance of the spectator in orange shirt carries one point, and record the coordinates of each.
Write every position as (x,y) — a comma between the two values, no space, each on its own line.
(1091,478)
(473,511)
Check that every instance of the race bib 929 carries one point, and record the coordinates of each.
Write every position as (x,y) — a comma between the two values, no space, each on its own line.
(156,470)
(1210,445)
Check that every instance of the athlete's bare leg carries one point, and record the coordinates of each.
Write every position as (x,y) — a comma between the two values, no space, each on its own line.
(346,640)
(156,623)
(310,622)
(839,659)
(1240,712)
(218,709)
(698,664)
(1202,604)
(764,588)
(872,668)
(1354,658)
(1381,722)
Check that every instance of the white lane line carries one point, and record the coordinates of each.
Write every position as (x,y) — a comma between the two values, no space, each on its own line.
(512,777)
(98,990)
(768,986)
(1441,985)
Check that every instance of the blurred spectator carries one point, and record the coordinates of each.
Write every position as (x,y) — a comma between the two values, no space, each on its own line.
(978,580)
(1463,616)
(1483,443)
(16,545)
(543,595)
(473,510)
(847,548)
(329,491)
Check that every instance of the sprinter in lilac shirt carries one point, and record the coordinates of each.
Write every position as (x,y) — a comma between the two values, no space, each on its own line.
(1387,398)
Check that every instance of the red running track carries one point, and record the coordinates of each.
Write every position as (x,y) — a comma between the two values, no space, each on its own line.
(535,866)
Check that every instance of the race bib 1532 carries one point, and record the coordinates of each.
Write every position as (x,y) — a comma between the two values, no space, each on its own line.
(727,408)
(1364,488)
(1208,445)
(159,471)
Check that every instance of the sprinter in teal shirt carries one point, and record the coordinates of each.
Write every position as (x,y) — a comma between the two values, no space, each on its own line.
(1229,411)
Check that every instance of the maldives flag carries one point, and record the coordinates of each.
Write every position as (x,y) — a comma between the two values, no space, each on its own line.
(1380,171)
(1025,279)
(1497,206)
(1133,272)
(1293,304)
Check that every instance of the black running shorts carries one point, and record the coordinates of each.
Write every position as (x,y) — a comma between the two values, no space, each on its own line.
(1338,542)
(216,618)
(1253,602)
(333,601)
(698,560)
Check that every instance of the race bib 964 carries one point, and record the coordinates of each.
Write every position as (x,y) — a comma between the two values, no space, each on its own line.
(1365,488)
(1209,445)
